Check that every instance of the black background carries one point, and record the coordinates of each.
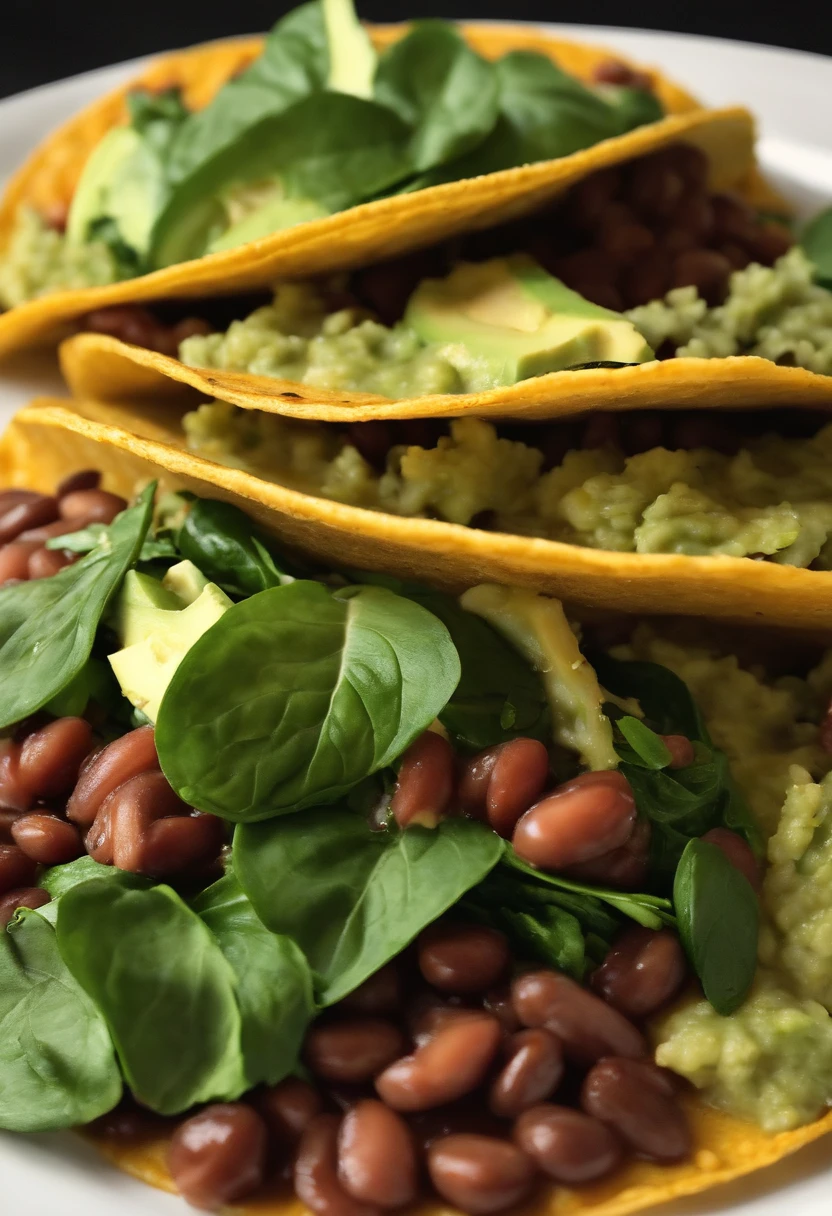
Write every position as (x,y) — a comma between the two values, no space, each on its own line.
(42,40)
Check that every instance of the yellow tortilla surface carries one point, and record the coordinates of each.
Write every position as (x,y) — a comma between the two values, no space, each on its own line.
(50,437)
(368,232)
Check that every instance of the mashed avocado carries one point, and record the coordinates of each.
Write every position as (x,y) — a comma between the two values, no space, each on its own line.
(39,260)
(772,499)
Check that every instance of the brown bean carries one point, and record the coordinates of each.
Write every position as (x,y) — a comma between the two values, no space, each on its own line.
(587,201)
(734,218)
(128,322)
(532,1073)
(429,1015)
(16,868)
(462,958)
(426,782)
(625,244)
(736,254)
(503,782)
(14,794)
(45,562)
(51,757)
(695,214)
(574,824)
(96,506)
(219,1156)
(353,1050)
(13,498)
(126,757)
(682,751)
(498,1003)
(48,840)
(587,1027)
(625,868)
(14,561)
(479,1174)
(288,1108)
(768,242)
(738,851)
(373,440)
(452,1063)
(613,71)
(60,527)
(23,897)
(377,1156)
(31,513)
(655,186)
(316,1172)
(84,479)
(381,993)
(647,279)
(567,1145)
(629,1098)
(643,971)
(704,269)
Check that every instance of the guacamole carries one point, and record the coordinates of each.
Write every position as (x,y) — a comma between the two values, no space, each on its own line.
(772,499)
(39,260)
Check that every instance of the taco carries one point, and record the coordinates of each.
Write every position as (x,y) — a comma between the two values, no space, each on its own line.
(220,166)
(313,877)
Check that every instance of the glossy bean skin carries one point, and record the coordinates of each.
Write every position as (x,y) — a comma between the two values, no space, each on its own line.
(47,839)
(625,868)
(219,1155)
(502,782)
(642,972)
(377,1156)
(531,1074)
(566,1144)
(462,959)
(479,1174)
(681,750)
(288,1108)
(51,757)
(425,784)
(430,1015)
(30,512)
(127,757)
(316,1172)
(587,1027)
(95,506)
(84,479)
(44,563)
(380,994)
(353,1050)
(499,1004)
(449,1065)
(576,823)
(24,897)
(14,561)
(739,853)
(629,1098)
(16,869)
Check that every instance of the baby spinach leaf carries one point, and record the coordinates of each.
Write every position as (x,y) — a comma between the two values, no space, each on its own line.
(816,240)
(633,107)
(664,697)
(296,695)
(157,117)
(718,917)
(550,934)
(57,1064)
(442,89)
(273,982)
(59,879)
(224,543)
(160,980)
(48,626)
(352,898)
(648,747)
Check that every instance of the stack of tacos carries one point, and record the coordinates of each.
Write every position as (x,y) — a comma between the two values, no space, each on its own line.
(425,637)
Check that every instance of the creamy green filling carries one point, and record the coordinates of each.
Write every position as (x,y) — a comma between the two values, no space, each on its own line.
(772,499)
(39,260)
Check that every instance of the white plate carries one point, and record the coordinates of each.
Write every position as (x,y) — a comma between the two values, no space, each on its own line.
(789,92)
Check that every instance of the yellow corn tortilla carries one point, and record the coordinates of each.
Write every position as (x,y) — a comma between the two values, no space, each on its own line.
(368,232)
(131,446)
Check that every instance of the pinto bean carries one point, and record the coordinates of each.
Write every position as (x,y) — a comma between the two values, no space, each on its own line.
(47,840)
(14,561)
(30,512)
(532,1073)
(316,1172)
(51,757)
(576,823)
(426,782)
(354,1050)
(569,1146)
(16,868)
(629,1098)
(462,958)
(587,1027)
(84,479)
(381,993)
(625,868)
(682,752)
(23,897)
(643,971)
(430,1015)
(377,1156)
(288,1108)
(479,1174)
(738,851)
(504,781)
(127,757)
(452,1063)
(219,1155)
(95,506)
(44,563)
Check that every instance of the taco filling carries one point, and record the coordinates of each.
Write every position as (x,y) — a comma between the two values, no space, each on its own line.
(340,878)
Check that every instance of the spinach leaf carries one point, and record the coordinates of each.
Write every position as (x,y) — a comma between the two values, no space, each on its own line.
(353,898)
(224,543)
(633,107)
(649,749)
(718,917)
(816,240)
(57,1065)
(59,879)
(664,698)
(296,695)
(294,63)
(47,627)
(442,89)
(84,541)
(157,117)
(160,980)
(273,982)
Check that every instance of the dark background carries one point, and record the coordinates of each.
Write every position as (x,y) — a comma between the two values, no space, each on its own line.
(42,40)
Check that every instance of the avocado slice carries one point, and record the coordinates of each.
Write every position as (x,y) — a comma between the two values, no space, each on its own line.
(271,216)
(518,321)
(122,181)
(538,627)
(157,623)
(352,58)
